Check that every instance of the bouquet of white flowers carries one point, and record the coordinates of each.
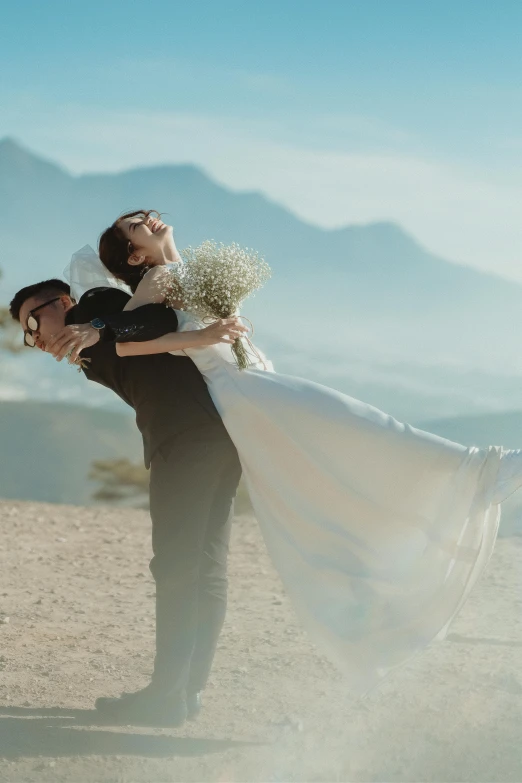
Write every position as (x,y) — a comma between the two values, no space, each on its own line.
(214,281)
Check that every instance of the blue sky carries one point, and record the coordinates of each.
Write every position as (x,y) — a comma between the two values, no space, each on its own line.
(409,110)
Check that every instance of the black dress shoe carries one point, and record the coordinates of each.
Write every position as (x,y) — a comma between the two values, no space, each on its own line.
(147,707)
(194,705)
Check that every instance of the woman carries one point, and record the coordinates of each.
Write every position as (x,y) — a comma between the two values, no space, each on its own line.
(378,530)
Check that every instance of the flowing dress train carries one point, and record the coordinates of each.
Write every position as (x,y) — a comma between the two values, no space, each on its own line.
(378,530)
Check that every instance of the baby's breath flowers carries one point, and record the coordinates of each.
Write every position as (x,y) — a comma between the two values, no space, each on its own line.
(214,281)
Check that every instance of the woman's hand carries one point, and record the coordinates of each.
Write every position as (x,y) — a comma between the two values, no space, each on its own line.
(224,330)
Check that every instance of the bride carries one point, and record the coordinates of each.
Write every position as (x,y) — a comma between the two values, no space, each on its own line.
(378,530)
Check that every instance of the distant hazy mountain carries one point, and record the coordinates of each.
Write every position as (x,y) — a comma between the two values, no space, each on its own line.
(501,429)
(363,308)
(367,290)
(46,449)
(409,391)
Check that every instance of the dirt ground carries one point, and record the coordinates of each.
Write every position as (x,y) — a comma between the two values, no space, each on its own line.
(76,622)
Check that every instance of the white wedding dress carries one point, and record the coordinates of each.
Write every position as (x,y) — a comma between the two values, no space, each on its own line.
(378,530)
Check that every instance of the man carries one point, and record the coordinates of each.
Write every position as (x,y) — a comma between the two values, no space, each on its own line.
(194,473)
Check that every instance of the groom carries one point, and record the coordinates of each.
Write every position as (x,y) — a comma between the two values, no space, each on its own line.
(194,473)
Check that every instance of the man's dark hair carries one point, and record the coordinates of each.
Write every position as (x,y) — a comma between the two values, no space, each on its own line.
(52,287)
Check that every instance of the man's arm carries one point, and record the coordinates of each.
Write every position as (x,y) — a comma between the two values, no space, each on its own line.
(140,325)
(224,330)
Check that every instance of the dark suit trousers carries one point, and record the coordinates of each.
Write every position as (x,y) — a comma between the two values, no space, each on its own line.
(193,482)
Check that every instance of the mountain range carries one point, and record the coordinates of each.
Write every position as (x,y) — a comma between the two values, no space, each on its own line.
(363,307)
(47,449)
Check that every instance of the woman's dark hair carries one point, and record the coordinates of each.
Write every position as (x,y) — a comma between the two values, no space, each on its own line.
(115,250)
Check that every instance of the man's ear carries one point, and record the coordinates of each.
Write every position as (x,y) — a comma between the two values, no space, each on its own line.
(67,302)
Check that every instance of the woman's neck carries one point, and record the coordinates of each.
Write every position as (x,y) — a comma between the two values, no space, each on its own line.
(167,255)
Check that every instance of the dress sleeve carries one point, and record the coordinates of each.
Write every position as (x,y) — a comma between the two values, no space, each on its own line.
(144,323)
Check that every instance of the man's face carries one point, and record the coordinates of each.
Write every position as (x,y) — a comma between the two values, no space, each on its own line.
(50,317)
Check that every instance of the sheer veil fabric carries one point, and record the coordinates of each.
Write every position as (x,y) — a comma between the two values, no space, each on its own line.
(86,271)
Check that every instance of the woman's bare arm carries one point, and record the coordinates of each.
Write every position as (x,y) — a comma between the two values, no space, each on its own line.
(149,290)
(153,289)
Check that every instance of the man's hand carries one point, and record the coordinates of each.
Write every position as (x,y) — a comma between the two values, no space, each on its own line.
(72,340)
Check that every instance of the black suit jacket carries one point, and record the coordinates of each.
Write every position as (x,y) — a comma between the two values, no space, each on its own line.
(167,392)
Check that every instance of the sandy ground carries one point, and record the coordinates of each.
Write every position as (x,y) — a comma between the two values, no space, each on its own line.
(76,589)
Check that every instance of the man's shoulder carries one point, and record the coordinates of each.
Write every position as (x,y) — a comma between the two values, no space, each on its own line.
(104,294)
(99,301)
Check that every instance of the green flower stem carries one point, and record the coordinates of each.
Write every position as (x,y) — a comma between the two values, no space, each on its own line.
(238,349)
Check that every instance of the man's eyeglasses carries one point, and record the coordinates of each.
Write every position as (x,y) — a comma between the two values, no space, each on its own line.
(33,323)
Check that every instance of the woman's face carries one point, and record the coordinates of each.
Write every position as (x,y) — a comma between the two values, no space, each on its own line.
(150,237)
